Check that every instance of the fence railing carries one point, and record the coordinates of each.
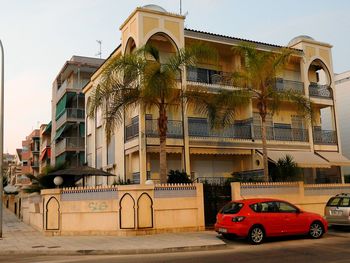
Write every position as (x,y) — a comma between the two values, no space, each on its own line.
(325,136)
(321,91)
(70,144)
(209,76)
(284,84)
(283,134)
(175,129)
(131,130)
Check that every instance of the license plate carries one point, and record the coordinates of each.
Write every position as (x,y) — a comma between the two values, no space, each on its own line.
(222,230)
(336,213)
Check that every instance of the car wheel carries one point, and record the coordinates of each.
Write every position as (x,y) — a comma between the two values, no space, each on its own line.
(316,230)
(256,235)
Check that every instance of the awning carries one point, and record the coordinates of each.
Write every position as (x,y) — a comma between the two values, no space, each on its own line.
(220,151)
(59,132)
(42,155)
(48,128)
(156,149)
(335,158)
(303,159)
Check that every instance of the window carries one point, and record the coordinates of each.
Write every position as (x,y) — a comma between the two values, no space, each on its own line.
(98,117)
(264,207)
(99,158)
(111,150)
(231,208)
(345,202)
(286,208)
(334,201)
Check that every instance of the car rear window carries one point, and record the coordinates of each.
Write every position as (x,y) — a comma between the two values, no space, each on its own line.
(345,202)
(231,208)
(334,201)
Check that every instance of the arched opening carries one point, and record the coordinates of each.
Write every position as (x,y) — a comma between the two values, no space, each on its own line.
(320,80)
(165,45)
(130,46)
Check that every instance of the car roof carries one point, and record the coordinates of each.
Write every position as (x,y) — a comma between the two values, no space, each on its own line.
(342,195)
(258,200)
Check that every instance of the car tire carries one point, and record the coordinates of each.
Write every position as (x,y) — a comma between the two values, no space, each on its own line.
(316,230)
(256,235)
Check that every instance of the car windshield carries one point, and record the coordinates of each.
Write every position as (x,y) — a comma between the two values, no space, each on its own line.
(231,208)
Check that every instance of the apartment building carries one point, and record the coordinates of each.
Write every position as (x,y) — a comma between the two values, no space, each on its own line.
(342,88)
(29,153)
(45,146)
(133,152)
(68,121)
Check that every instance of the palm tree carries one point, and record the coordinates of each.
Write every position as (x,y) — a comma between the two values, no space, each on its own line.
(142,78)
(258,76)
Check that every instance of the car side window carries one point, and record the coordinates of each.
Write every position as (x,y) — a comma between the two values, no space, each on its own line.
(264,207)
(286,208)
(334,201)
(345,202)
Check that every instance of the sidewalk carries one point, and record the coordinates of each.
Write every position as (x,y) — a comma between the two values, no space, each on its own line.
(19,238)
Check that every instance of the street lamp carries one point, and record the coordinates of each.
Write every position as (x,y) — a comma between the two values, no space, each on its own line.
(1,131)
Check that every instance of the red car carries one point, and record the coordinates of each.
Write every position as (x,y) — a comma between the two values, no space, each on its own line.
(260,218)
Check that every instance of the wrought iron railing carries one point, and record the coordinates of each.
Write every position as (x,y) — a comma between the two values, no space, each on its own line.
(175,129)
(209,76)
(70,144)
(283,134)
(132,130)
(321,91)
(136,178)
(324,136)
(284,84)
(198,127)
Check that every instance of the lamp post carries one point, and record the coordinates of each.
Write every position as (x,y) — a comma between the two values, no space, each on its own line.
(1,132)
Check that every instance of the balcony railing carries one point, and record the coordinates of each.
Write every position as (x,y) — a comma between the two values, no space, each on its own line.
(244,129)
(209,76)
(284,84)
(70,144)
(320,91)
(132,130)
(198,127)
(175,129)
(324,136)
(283,134)
(71,114)
(35,164)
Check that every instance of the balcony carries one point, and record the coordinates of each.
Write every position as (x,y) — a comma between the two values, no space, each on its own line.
(244,130)
(284,84)
(71,115)
(283,134)
(35,164)
(70,144)
(320,91)
(66,86)
(175,129)
(327,137)
(132,130)
(199,127)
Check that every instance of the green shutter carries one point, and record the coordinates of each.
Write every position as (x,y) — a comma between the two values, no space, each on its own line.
(82,129)
(48,128)
(61,106)
(60,131)
(61,159)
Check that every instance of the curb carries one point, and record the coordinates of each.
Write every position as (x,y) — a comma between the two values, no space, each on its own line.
(112,252)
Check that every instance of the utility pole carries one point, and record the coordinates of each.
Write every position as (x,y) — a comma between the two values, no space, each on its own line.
(1,133)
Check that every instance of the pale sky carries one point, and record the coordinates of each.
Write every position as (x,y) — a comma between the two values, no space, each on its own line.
(40,35)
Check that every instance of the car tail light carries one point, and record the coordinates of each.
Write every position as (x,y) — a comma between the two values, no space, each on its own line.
(238,218)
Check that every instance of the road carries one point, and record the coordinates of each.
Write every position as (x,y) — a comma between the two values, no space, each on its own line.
(334,247)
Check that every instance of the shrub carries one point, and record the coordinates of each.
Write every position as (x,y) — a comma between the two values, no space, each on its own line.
(177,177)
(285,170)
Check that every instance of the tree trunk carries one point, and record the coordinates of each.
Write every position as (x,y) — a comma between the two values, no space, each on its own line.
(264,146)
(162,129)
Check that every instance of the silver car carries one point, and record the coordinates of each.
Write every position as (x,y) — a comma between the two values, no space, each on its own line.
(337,210)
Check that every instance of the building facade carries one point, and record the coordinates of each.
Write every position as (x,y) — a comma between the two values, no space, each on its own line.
(29,154)
(342,87)
(45,146)
(68,114)
(192,146)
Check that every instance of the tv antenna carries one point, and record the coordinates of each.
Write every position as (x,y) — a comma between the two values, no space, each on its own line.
(99,53)
(180,7)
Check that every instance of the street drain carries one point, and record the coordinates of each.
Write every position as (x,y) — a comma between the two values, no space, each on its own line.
(37,246)
(54,247)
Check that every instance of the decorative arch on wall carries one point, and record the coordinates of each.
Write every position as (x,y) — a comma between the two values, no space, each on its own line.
(144,211)
(52,214)
(127,212)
